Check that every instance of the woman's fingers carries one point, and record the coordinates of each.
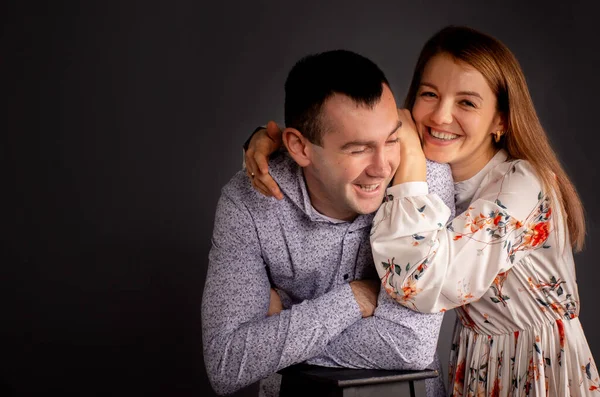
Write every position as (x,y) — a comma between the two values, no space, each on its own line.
(261,146)
(408,135)
(263,176)
(258,185)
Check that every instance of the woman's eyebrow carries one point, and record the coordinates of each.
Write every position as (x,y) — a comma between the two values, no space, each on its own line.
(469,93)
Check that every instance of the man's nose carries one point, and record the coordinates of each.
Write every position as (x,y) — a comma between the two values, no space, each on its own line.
(380,164)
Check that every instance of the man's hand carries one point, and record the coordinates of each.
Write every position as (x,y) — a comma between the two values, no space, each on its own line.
(261,146)
(365,292)
(275,306)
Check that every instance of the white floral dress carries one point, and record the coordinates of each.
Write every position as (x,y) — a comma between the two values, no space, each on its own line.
(506,265)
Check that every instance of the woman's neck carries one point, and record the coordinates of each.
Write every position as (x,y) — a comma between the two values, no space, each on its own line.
(469,168)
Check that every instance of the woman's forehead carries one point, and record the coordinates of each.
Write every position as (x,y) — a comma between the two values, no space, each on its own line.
(443,72)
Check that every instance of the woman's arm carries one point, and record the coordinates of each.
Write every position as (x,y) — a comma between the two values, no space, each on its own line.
(431,267)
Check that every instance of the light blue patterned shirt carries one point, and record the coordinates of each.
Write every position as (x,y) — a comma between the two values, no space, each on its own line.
(259,243)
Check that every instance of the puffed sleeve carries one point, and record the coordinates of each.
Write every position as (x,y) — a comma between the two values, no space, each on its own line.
(430,266)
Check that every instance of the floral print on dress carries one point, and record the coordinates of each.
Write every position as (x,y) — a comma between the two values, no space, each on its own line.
(507,269)
(496,288)
(409,290)
(591,375)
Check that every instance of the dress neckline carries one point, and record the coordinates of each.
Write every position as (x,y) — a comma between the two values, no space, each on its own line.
(465,190)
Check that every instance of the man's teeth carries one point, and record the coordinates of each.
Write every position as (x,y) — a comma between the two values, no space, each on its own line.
(443,135)
(369,188)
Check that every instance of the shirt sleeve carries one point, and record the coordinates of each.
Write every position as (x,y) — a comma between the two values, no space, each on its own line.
(394,338)
(429,266)
(242,344)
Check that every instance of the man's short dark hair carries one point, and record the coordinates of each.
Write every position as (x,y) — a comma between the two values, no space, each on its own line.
(317,77)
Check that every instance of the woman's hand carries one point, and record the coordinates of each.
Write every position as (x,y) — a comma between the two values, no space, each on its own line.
(410,141)
(413,165)
(262,145)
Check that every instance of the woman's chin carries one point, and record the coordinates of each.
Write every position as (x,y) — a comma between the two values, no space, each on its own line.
(437,156)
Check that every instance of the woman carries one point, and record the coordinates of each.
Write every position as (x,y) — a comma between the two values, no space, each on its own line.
(505,262)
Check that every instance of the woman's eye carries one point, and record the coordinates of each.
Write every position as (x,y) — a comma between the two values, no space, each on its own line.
(393,141)
(468,103)
(359,151)
(428,94)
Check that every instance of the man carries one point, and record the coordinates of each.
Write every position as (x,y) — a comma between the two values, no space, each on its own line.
(311,249)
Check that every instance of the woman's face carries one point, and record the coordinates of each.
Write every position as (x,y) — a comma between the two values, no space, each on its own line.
(455,114)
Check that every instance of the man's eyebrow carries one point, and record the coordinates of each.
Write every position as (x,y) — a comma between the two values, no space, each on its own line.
(469,93)
(350,144)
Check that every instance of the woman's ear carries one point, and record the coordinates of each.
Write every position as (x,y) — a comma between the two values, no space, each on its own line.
(501,123)
(297,146)
(498,127)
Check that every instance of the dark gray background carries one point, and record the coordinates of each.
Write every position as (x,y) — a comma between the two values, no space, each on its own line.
(123,121)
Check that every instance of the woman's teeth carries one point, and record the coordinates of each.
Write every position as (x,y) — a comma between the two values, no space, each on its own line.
(442,135)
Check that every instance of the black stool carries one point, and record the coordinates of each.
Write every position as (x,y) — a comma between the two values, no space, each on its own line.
(314,381)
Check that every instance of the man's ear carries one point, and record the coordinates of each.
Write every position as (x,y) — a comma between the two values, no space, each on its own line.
(297,146)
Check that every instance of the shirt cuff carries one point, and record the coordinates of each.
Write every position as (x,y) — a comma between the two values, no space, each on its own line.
(408,189)
(337,309)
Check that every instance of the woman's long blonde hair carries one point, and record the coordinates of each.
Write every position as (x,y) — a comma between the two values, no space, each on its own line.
(524,137)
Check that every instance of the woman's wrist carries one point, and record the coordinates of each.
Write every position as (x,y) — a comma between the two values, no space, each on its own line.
(412,168)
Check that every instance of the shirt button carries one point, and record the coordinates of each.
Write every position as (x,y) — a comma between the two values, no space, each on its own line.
(346,276)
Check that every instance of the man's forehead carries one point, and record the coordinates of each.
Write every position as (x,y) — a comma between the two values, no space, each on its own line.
(351,135)
(344,116)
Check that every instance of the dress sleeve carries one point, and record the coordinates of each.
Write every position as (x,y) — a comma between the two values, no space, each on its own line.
(430,266)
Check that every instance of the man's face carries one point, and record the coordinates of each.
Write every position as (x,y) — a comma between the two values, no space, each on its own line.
(359,155)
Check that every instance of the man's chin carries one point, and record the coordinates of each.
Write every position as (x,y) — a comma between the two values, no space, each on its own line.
(369,207)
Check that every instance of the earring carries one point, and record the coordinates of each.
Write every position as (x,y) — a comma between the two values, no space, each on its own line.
(497,136)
